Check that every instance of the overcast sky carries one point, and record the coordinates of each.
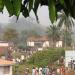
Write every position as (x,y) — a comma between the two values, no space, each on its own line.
(42,14)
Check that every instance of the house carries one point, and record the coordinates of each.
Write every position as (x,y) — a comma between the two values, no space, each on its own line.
(5,45)
(39,43)
(6,67)
(42,42)
(5,48)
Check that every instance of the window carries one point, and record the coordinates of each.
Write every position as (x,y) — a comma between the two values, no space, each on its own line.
(6,69)
(38,44)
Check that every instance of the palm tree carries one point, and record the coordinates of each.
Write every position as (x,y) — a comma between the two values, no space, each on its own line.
(53,33)
(65,24)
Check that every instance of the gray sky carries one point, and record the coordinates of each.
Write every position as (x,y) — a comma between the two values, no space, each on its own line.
(42,14)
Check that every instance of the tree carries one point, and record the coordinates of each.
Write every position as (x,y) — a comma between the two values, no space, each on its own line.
(10,34)
(15,7)
(53,33)
(46,57)
(65,25)
(67,38)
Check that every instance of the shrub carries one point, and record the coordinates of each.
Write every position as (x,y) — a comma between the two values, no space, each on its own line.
(43,58)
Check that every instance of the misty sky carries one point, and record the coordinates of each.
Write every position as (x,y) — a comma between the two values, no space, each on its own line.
(42,14)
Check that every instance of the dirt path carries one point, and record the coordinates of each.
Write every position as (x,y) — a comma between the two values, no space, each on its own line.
(72,72)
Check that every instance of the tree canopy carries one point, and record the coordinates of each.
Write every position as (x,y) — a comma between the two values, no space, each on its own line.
(15,7)
(46,57)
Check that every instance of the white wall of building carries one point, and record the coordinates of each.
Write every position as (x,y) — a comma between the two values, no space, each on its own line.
(40,49)
(46,44)
(69,55)
(2,71)
(59,44)
(30,43)
(4,44)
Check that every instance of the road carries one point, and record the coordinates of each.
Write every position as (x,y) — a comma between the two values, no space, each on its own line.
(71,72)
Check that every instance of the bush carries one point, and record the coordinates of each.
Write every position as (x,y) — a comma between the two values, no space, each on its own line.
(43,58)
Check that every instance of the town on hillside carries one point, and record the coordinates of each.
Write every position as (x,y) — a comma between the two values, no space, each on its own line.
(37,37)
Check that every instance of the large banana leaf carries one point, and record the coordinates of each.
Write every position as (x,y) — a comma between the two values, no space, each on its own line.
(52,10)
(17,7)
(9,6)
(14,7)
(36,4)
(1,5)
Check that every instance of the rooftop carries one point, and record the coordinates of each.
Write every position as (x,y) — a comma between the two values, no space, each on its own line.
(5,62)
(40,38)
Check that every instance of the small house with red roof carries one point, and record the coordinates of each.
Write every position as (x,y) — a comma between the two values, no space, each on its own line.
(6,67)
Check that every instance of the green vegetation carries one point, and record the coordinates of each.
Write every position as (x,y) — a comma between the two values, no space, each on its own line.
(53,33)
(41,58)
(10,34)
(46,57)
(15,7)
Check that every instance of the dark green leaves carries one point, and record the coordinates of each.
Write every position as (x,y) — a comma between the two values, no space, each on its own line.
(9,6)
(25,12)
(30,4)
(17,7)
(62,2)
(52,10)
(14,7)
(36,4)
(1,5)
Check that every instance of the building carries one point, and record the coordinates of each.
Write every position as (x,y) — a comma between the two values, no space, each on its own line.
(5,46)
(70,59)
(42,42)
(6,67)
(59,44)
(39,43)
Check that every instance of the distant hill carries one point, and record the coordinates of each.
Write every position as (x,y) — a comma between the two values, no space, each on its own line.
(24,24)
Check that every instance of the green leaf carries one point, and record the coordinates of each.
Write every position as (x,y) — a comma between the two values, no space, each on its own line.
(30,5)
(52,10)
(73,12)
(17,7)
(9,6)
(62,2)
(25,12)
(1,5)
(36,4)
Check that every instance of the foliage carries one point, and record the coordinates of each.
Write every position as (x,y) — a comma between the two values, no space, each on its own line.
(14,7)
(53,33)
(20,69)
(46,57)
(67,38)
(65,25)
(10,34)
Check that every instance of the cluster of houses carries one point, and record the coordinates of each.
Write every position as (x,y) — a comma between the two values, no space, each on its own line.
(33,44)
(40,43)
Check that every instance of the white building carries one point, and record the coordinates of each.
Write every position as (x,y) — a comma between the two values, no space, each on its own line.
(69,56)
(6,67)
(59,44)
(38,42)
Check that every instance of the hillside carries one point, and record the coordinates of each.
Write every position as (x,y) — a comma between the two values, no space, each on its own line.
(24,24)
